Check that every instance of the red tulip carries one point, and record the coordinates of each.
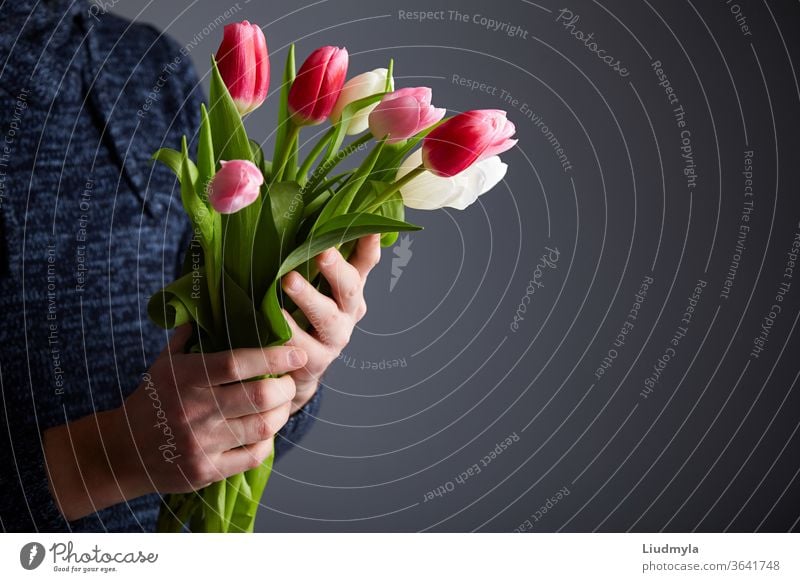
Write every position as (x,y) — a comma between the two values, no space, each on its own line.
(316,88)
(465,139)
(404,113)
(236,185)
(243,63)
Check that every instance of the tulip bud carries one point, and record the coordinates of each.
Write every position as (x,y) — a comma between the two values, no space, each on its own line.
(317,85)
(429,192)
(465,139)
(243,64)
(235,186)
(360,87)
(404,113)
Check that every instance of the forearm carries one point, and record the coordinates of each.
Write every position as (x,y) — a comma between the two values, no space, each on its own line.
(91,463)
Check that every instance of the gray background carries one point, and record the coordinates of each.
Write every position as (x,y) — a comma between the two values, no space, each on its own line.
(715,446)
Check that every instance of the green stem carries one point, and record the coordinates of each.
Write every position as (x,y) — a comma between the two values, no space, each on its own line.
(309,195)
(212,270)
(386,194)
(214,498)
(279,165)
(313,155)
(329,163)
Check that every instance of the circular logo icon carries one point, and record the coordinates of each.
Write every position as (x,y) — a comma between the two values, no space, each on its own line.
(31,555)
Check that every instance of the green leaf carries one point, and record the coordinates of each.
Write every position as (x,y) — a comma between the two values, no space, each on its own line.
(227,130)
(249,497)
(392,208)
(214,498)
(271,310)
(341,202)
(309,194)
(258,159)
(196,208)
(339,230)
(394,154)
(276,231)
(283,107)
(182,301)
(173,160)
(389,87)
(347,193)
(246,327)
(234,484)
(205,155)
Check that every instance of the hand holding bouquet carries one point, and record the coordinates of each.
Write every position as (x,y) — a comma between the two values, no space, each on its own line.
(257,220)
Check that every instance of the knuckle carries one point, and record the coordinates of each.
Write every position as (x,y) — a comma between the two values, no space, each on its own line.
(229,366)
(198,472)
(263,428)
(329,320)
(254,461)
(362,310)
(352,291)
(259,395)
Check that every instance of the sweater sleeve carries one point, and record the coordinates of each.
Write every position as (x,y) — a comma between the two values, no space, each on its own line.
(26,504)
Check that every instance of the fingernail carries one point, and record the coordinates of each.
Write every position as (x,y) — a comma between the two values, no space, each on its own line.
(296,357)
(292,282)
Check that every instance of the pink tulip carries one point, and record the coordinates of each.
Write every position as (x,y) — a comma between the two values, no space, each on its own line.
(465,139)
(404,113)
(243,63)
(236,185)
(316,88)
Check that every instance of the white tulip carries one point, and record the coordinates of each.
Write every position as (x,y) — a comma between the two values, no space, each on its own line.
(429,192)
(359,87)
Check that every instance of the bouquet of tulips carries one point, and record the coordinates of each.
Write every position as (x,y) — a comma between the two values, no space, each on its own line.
(256,220)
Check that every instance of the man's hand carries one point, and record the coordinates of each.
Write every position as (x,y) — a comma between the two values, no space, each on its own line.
(333,319)
(192,421)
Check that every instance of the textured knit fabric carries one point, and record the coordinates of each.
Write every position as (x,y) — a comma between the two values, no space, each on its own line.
(90,229)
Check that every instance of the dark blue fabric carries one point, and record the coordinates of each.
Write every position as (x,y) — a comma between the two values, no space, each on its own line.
(90,229)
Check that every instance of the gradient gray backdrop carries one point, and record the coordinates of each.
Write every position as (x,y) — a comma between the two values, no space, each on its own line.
(714,446)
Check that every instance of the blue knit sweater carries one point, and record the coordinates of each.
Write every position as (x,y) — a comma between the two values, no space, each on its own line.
(90,229)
